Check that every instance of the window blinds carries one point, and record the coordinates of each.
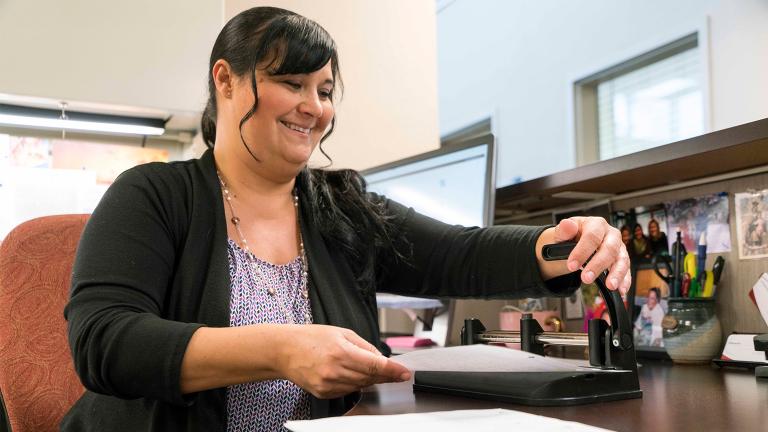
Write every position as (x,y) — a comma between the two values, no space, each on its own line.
(654,105)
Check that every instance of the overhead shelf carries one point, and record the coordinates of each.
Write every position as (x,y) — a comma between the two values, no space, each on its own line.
(724,151)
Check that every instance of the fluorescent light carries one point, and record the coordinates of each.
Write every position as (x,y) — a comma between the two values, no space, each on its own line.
(19,116)
(86,126)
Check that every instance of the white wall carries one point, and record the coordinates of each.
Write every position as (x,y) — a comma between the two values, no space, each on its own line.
(388,63)
(516,61)
(142,53)
(739,62)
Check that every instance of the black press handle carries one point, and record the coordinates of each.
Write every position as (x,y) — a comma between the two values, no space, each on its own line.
(622,335)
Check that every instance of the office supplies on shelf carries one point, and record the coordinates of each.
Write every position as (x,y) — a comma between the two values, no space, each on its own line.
(612,374)
(678,253)
(690,269)
(672,266)
(685,285)
(701,262)
(708,290)
(717,269)
(477,420)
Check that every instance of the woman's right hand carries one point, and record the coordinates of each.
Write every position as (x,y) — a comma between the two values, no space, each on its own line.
(330,362)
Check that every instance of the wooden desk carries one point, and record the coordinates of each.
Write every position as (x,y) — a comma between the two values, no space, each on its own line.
(675,398)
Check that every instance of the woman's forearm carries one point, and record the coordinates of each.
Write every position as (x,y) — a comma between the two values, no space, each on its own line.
(324,360)
(220,357)
(549,269)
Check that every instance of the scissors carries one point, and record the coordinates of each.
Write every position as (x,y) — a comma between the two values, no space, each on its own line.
(673,268)
(663,262)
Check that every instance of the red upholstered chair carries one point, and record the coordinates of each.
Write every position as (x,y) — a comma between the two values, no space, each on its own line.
(37,379)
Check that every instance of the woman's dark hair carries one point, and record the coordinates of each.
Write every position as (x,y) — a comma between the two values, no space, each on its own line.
(282,42)
(275,40)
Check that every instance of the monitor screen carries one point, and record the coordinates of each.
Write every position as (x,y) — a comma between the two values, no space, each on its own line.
(455,185)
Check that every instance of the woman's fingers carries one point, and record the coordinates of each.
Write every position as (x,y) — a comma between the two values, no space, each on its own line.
(600,247)
(590,236)
(618,271)
(365,358)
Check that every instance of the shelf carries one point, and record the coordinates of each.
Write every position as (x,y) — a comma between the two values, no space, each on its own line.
(724,151)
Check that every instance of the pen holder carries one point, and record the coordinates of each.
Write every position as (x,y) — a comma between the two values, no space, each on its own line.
(691,330)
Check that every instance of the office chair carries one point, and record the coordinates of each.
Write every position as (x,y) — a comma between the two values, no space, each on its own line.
(38,383)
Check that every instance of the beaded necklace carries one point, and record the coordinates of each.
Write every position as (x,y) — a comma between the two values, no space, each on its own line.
(252,258)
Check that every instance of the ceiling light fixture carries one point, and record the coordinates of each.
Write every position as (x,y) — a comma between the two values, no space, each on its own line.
(29,117)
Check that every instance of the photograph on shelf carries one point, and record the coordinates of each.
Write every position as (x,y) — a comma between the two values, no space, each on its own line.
(693,216)
(650,306)
(644,231)
(752,224)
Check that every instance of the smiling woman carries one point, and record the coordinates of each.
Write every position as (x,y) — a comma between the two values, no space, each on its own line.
(237,291)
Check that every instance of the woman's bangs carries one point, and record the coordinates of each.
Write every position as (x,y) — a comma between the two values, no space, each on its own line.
(300,47)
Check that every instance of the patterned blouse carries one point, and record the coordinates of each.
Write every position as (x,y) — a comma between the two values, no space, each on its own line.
(265,405)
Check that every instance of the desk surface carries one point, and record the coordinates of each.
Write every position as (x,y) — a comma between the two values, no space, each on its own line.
(675,398)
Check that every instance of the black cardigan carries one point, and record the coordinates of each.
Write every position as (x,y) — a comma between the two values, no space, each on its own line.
(152,268)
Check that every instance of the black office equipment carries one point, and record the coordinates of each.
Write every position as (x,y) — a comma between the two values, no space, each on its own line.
(612,374)
(761,344)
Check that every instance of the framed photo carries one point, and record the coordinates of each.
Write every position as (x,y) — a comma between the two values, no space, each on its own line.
(649,305)
(752,223)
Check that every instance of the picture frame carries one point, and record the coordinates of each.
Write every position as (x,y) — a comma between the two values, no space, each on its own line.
(752,224)
(648,304)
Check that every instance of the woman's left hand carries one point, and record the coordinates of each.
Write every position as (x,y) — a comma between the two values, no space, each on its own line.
(593,235)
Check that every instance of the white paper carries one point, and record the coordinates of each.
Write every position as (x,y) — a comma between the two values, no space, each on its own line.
(761,295)
(490,420)
(484,358)
(741,347)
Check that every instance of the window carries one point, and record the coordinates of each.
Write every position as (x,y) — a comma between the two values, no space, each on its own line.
(651,100)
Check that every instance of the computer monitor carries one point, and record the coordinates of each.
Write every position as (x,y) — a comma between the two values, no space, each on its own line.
(454,184)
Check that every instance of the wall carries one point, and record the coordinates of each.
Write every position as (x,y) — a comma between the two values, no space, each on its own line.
(388,63)
(142,53)
(516,62)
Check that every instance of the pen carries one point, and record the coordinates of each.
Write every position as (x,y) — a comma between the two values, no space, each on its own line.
(701,259)
(689,267)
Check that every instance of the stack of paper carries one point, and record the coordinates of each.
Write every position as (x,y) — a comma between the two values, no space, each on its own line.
(484,358)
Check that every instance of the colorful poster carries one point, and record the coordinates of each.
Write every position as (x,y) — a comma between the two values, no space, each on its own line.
(693,216)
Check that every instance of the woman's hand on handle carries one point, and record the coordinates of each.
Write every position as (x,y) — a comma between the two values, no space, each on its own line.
(331,361)
(593,236)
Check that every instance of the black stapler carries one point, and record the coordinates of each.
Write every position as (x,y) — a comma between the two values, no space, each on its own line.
(612,374)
